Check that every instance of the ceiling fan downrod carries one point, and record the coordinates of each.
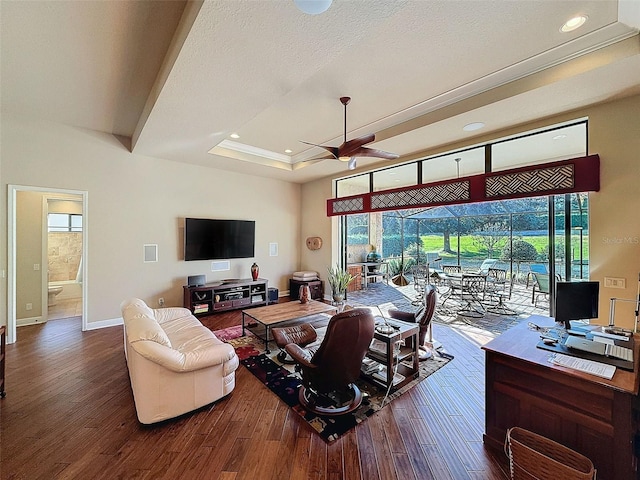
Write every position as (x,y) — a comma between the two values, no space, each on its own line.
(345,101)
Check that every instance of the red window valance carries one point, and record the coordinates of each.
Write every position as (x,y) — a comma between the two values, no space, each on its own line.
(566,176)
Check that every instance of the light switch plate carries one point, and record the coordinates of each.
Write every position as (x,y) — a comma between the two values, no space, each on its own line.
(615,282)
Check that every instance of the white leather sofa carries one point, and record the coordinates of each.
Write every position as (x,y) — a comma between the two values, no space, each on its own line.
(176,364)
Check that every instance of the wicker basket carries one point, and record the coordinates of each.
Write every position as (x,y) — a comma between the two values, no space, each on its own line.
(534,457)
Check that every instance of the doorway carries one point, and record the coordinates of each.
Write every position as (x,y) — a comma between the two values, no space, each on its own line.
(29,269)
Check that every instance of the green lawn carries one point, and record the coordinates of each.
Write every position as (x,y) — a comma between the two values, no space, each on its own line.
(471,249)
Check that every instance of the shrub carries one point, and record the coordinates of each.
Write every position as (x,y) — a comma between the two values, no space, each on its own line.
(520,251)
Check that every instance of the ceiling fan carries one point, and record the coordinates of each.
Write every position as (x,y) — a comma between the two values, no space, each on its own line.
(350,150)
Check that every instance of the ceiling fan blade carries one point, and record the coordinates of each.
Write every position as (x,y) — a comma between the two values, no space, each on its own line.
(372,152)
(332,150)
(347,148)
(352,163)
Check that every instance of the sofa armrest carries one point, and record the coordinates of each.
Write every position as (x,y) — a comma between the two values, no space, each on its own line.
(174,360)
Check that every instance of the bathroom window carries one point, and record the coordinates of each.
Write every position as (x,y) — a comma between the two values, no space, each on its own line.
(64,222)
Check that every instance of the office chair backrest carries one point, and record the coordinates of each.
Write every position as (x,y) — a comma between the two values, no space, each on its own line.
(339,357)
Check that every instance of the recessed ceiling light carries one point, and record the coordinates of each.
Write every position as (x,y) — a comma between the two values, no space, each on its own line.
(573,23)
(559,137)
(234,135)
(288,150)
(470,127)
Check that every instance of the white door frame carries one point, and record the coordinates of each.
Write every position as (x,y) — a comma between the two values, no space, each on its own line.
(11,251)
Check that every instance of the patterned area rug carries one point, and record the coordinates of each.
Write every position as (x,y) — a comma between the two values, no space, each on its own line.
(283,381)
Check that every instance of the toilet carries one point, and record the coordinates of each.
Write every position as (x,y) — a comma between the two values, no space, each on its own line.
(54,291)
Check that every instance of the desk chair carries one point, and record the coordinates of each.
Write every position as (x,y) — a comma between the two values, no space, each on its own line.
(422,316)
(328,375)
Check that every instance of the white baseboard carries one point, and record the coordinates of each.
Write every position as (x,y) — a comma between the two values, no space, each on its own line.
(21,322)
(112,322)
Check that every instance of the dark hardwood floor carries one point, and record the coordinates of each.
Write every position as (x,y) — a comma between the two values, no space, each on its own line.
(69,413)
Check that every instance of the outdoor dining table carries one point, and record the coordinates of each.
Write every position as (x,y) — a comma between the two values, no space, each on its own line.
(470,286)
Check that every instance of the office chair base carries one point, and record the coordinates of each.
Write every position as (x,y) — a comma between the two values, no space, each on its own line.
(325,405)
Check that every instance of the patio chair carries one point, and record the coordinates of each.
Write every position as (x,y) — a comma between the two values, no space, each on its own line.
(472,290)
(419,273)
(451,268)
(541,286)
(498,286)
(486,265)
(453,285)
(536,268)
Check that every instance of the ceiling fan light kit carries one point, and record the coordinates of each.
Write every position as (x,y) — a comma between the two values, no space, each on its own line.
(313,7)
(350,150)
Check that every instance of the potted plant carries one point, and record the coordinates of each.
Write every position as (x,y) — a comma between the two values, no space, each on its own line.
(338,280)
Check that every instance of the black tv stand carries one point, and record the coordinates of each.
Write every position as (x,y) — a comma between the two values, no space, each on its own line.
(225,295)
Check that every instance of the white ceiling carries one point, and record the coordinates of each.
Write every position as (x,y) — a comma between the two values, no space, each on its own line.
(178,78)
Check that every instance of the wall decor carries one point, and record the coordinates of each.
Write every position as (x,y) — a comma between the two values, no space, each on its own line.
(314,243)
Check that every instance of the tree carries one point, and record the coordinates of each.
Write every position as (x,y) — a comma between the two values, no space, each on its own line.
(519,251)
(446,226)
(491,237)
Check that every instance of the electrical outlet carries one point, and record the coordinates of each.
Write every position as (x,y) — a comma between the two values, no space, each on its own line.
(161,302)
(29,306)
(613,282)
(36,266)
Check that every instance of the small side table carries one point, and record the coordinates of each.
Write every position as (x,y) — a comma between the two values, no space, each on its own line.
(315,286)
(394,360)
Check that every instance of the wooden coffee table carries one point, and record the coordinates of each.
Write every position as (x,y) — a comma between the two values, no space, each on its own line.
(273,315)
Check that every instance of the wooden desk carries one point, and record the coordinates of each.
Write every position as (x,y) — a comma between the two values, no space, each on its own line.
(591,415)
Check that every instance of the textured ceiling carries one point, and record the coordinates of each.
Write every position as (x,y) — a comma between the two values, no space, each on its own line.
(180,78)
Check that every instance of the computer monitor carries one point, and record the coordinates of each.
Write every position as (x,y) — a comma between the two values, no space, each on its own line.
(576,301)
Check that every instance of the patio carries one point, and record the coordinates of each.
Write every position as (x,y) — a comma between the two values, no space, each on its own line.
(481,330)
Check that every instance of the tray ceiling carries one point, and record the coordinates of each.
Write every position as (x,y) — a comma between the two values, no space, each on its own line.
(178,79)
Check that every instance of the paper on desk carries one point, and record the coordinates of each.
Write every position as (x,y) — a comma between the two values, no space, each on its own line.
(587,366)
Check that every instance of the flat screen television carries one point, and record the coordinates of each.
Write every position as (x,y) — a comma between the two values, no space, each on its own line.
(210,239)
(576,301)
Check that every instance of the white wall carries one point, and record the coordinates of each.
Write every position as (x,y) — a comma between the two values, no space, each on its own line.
(135,200)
